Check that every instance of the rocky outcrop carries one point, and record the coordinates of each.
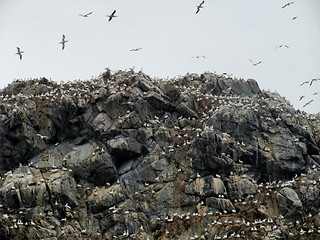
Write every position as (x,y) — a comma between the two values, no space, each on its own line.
(124,156)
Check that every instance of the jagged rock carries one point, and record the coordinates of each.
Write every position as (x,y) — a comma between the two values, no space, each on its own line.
(207,186)
(123,149)
(208,153)
(240,187)
(220,204)
(290,205)
(92,164)
(242,88)
(125,156)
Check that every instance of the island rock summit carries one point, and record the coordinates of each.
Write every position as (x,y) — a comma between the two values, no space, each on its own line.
(125,156)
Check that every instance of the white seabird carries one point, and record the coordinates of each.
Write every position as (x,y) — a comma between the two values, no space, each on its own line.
(63,41)
(199,7)
(135,49)
(255,64)
(287,4)
(313,80)
(19,52)
(85,15)
(280,46)
(304,83)
(308,103)
(199,56)
(112,15)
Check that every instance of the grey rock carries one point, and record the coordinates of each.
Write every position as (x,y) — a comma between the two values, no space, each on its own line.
(91,164)
(220,204)
(290,205)
(123,149)
(240,187)
(206,187)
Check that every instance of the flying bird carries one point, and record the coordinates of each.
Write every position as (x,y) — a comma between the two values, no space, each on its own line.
(304,83)
(302,97)
(313,80)
(294,18)
(63,41)
(199,7)
(112,15)
(135,49)
(200,56)
(280,46)
(255,64)
(19,52)
(287,4)
(316,93)
(85,15)
(308,103)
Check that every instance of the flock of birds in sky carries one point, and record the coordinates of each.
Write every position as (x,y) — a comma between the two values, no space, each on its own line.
(199,7)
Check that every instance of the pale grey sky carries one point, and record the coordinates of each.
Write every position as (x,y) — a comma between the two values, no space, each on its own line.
(227,32)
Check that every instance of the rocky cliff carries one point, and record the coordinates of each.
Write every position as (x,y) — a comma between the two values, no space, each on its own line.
(124,156)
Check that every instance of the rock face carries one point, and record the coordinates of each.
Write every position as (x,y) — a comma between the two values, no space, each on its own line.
(124,156)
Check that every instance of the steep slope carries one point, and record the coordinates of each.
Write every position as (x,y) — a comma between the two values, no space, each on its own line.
(125,156)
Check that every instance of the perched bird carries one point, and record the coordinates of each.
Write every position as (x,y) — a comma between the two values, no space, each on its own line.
(294,18)
(63,41)
(255,64)
(280,46)
(199,7)
(313,80)
(287,4)
(304,83)
(308,103)
(302,97)
(19,52)
(112,15)
(135,49)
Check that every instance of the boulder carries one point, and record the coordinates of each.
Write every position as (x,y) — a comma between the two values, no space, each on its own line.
(290,205)
(239,187)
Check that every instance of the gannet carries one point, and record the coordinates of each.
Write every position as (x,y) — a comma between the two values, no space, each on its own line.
(135,49)
(255,64)
(280,46)
(63,41)
(112,15)
(304,83)
(19,53)
(313,80)
(85,15)
(287,4)
(308,103)
(199,7)
(200,56)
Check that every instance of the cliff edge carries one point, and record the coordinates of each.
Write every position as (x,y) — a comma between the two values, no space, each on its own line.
(125,156)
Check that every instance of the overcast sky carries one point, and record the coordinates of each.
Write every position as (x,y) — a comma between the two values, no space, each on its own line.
(227,32)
